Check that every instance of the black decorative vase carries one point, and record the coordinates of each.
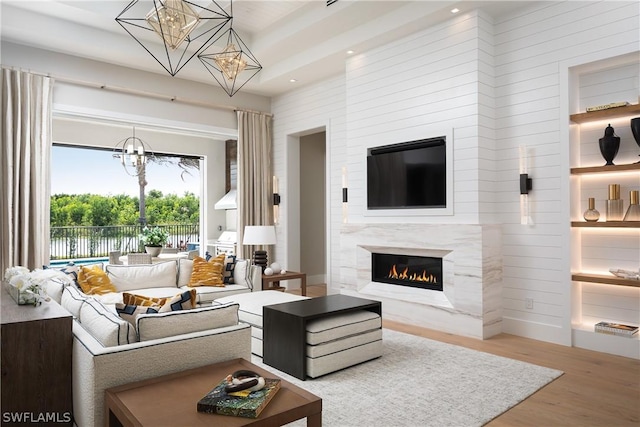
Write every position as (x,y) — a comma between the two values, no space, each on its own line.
(609,145)
(635,129)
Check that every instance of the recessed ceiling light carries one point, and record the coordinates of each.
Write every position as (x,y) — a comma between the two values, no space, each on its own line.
(350,52)
(292,80)
(455,10)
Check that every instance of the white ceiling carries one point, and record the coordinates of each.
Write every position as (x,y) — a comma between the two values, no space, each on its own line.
(304,40)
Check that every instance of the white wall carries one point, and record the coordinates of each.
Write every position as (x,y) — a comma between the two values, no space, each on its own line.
(498,84)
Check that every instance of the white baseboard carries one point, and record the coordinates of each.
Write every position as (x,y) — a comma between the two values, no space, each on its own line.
(536,331)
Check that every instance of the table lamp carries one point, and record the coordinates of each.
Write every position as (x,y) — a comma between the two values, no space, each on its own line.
(259,235)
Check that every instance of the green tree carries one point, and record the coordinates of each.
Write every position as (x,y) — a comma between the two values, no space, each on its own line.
(99,210)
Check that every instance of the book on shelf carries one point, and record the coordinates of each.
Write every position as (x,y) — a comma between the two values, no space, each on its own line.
(238,404)
(616,329)
(607,106)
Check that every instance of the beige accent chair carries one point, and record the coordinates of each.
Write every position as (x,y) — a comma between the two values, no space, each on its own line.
(114,257)
(193,254)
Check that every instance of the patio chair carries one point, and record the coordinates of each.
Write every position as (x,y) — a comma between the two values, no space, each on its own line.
(138,258)
(114,257)
(169,251)
(193,254)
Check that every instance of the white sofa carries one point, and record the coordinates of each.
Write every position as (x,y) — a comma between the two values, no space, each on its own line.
(165,279)
(109,351)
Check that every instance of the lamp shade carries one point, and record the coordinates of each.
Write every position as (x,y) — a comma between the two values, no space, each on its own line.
(259,235)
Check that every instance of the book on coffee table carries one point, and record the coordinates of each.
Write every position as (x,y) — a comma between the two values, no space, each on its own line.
(218,401)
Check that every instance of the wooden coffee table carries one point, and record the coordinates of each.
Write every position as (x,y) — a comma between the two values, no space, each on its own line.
(171,400)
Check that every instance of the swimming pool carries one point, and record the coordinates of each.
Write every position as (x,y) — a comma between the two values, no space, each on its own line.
(80,261)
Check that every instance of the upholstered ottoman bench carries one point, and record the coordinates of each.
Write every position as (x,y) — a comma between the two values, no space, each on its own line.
(317,336)
(342,340)
(250,311)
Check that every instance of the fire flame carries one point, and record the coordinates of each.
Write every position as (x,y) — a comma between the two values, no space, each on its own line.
(413,277)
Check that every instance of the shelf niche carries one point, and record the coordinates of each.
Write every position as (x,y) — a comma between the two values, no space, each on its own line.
(611,113)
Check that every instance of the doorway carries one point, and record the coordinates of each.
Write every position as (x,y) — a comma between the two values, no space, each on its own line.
(313,219)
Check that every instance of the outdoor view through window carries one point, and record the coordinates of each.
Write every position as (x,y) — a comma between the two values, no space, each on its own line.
(97,208)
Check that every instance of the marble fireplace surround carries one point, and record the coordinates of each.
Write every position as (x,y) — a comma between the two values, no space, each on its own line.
(471,301)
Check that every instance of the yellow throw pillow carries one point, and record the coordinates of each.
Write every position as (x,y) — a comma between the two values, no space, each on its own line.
(94,281)
(133,299)
(208,273)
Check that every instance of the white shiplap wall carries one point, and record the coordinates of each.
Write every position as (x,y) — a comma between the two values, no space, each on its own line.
(422,86)
(498,85)
(531,48)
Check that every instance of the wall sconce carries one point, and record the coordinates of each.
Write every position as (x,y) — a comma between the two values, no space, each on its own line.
(276,201)
(526,184)
(345,196)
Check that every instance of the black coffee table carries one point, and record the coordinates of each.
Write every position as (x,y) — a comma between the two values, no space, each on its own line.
(284,328)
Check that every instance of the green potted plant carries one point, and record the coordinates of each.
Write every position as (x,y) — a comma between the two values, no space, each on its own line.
(153,239)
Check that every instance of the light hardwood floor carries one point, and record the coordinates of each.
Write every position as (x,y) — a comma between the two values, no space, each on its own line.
(596,389)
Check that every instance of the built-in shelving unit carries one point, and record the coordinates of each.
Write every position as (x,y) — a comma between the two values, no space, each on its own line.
(598,295)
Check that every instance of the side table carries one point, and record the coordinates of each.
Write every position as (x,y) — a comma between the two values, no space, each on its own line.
(273,282)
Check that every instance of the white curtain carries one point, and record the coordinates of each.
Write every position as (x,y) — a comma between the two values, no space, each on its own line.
(255,174)
(25,154)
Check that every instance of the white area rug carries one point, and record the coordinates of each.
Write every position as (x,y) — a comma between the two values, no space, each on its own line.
(421,382)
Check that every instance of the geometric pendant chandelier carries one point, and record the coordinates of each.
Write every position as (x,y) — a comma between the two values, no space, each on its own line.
(229,61)
(173,31)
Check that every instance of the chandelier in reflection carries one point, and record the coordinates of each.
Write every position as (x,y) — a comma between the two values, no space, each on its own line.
(172,31)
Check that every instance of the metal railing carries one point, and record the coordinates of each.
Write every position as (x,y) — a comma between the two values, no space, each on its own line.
(93,242)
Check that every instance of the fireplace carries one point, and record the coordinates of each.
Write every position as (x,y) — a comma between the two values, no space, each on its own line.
(407,270)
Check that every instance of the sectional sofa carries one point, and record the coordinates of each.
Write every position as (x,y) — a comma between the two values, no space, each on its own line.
(109,351)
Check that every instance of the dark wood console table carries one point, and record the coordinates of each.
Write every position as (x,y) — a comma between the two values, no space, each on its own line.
(36,362)
(285,328)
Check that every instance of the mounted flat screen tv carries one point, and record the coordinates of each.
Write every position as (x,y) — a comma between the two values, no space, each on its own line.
(409,175)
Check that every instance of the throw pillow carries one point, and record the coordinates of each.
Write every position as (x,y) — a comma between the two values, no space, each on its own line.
(207,273)
(130,312)
(182,301)
(229,266)
(94,281)
(71,270)
(105,325)
(133,299)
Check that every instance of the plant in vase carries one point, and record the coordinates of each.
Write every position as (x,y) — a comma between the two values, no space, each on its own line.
(153,239)
(26,287)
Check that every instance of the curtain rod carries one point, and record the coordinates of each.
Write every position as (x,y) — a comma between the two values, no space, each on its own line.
(147,94)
